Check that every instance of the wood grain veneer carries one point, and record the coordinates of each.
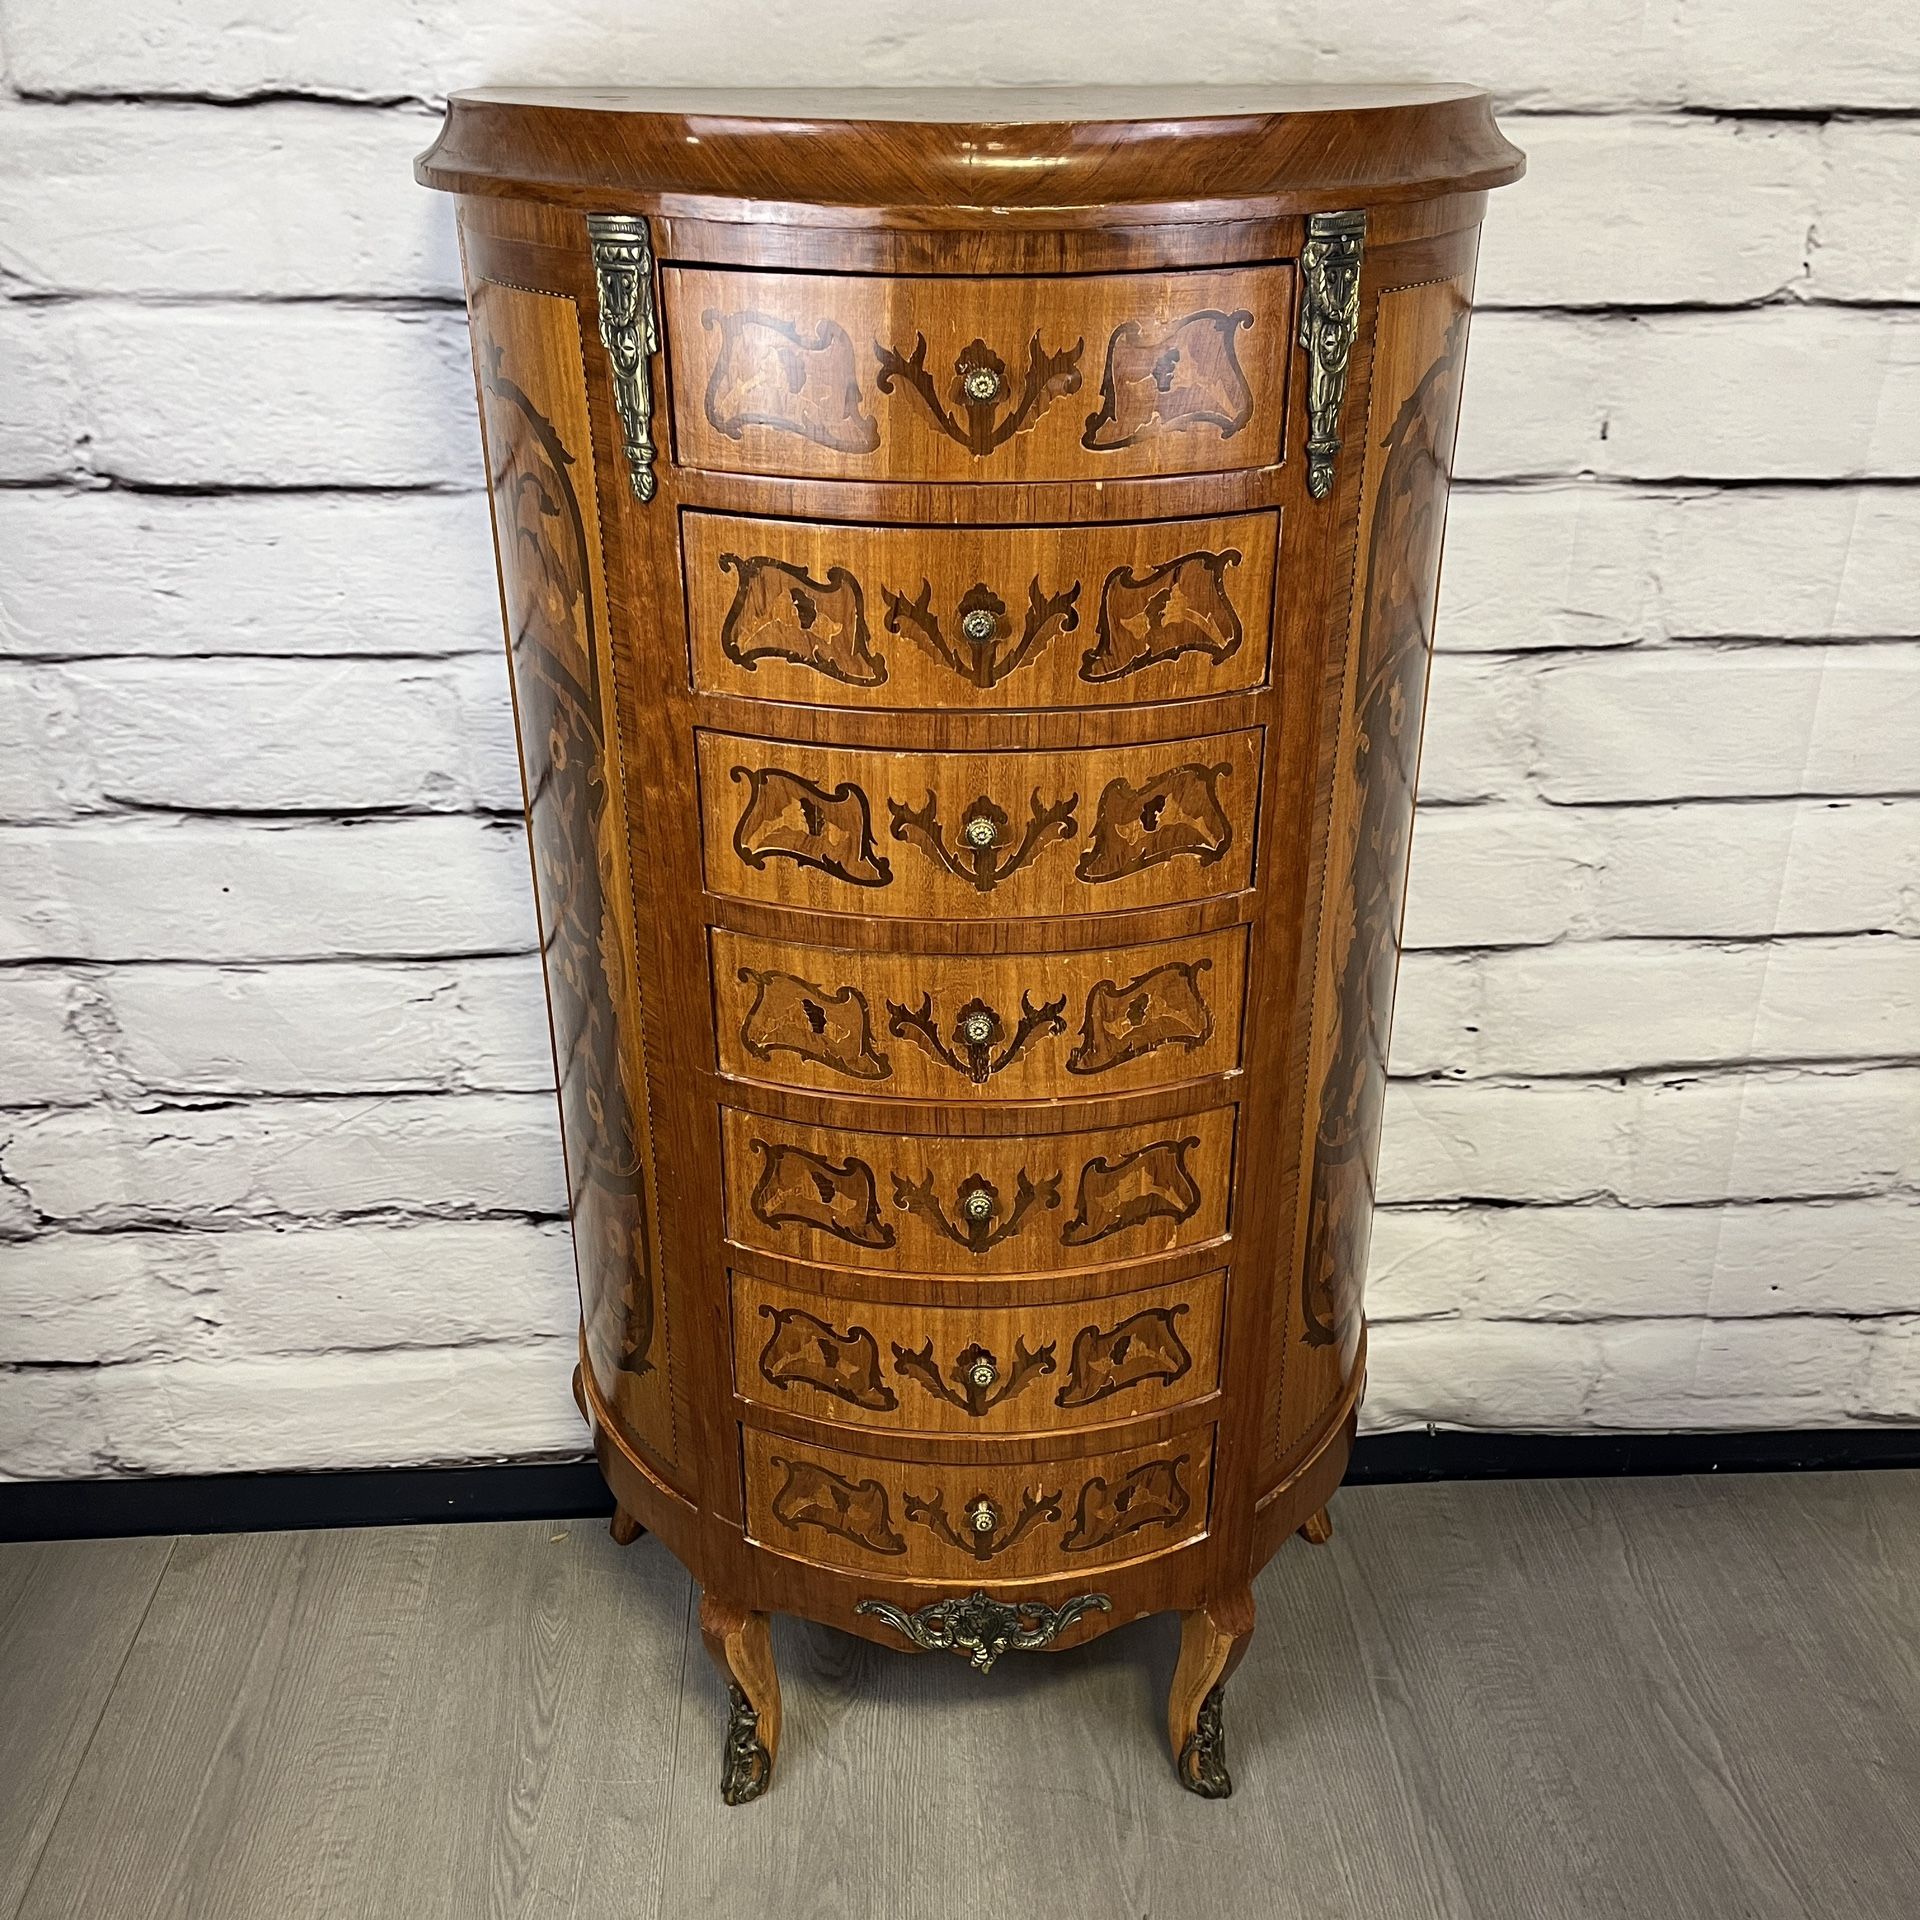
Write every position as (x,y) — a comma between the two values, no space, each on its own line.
(968,630)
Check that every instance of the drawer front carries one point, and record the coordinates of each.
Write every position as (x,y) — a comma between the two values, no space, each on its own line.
(968,1369)
(977,1522)
(903,1203)
(978,835)
(903,378)
(1033,1026)
(979,617)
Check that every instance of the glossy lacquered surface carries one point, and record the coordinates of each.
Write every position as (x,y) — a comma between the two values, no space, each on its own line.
(875,154)
(970,786)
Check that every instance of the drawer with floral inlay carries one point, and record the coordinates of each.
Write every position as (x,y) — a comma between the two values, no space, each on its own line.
(975,1369)
(979,835)
(979,618)
(1018,1520)
(872,377)
(1029,1026)
(937,1204)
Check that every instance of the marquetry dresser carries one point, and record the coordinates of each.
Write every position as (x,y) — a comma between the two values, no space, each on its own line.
(968,563)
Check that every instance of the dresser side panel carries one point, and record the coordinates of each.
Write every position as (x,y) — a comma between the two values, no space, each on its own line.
(529,358)
(1406,440)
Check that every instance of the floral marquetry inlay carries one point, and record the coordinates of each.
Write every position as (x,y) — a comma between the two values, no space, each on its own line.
(944,377)
(1184,379)
(799,380)
(915,1024)
(852,1510)
(980,617)
(940,1204)
(980,834)
(964,1364)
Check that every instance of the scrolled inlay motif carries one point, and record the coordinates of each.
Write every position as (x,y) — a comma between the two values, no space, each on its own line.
(979,1628)
(984,857)
(982,1532)
(1144,1346)
(975,1383)
(979,1045)
(770,374)
(1175,815)
(856,1510)
(1181,606)
(982,1225)
(1150,1183)
(798,1188)
(780,612)
(831,1026)
(989,414)
(1380,748)
(787,817)
(542,495)
(1151,1495)
(806,1350)
(1163,1007)
(985,647)
(1186,377)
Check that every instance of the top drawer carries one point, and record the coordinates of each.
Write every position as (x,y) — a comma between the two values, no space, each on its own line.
(860,377)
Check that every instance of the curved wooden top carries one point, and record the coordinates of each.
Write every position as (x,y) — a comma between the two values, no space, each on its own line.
(852,156)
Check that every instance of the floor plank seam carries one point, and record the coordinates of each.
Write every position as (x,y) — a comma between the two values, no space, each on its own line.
(93,1732)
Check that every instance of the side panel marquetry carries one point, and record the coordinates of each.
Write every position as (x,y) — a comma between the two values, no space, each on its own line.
(979,617)
(979,835)
(862,377)
(976,1369)
(976,1522)
(983,1027)
(1418,359)
(528,354)
(901,1203)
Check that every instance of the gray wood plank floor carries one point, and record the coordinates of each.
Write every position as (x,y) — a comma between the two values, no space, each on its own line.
(1650,1698)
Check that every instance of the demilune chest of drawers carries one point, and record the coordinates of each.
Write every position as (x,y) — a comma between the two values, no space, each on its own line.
(968,563)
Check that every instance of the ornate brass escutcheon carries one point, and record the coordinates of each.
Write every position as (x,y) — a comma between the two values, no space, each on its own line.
(980,1629)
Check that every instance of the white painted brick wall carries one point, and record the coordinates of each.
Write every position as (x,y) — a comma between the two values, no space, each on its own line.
(279,1182)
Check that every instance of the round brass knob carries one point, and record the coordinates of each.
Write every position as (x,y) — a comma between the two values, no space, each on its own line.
(977,1029)
(978,1205)
(981,1373)
(981,385)
(980,831)
(979,624)
(983,1516)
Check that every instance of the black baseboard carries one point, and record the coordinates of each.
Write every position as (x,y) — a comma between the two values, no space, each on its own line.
(566,1490)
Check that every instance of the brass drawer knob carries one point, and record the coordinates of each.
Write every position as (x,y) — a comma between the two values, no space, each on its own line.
(982,1373)
(983,1516)
(978,1205)
(980,831)
(977,1029)
(981,385)
(979,625)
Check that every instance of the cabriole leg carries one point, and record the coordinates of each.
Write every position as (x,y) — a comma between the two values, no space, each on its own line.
(1212,1639)
(1317,1528)
(624,1528)
(741,1647)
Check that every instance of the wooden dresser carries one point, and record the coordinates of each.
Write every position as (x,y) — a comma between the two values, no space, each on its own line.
(968,563)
